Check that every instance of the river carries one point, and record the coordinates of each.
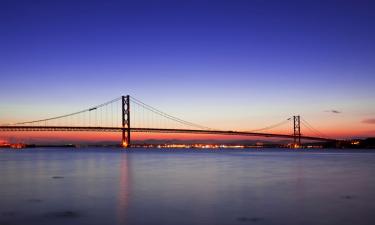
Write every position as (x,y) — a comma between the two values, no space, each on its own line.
(176,187)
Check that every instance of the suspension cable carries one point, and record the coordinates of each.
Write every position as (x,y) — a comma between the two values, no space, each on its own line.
(71,114)
(272,126)
(150,108)
(311,128)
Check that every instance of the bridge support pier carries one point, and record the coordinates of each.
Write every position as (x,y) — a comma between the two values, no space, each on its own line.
(125,143)
(297,132)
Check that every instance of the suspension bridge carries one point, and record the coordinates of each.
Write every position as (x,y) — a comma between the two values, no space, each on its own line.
(127,114)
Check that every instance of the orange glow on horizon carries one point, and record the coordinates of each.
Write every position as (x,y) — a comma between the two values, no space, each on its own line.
(75,137)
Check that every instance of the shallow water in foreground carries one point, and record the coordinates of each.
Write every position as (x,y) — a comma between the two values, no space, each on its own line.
(109,186)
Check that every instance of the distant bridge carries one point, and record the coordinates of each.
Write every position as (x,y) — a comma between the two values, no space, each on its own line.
(105,118)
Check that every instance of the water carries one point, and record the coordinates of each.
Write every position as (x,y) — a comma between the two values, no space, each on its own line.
(108,186)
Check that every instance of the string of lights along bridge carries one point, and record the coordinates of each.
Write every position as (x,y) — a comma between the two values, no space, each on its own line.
(127,114)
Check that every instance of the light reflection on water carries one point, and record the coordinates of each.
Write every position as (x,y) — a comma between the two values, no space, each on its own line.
(109,186)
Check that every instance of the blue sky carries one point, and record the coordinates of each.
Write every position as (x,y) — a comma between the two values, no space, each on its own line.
(256,62)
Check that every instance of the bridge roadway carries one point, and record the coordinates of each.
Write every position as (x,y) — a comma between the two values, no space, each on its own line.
(156,130)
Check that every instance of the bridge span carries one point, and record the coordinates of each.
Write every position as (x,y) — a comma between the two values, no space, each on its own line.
(158,130)
(91,121)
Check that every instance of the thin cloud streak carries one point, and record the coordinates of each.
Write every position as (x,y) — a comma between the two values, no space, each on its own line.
(333,111)
(369,121)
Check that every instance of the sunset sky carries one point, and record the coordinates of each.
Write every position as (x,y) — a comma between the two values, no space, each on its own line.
(237,65)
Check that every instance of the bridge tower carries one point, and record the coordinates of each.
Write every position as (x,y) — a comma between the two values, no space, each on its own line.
(125,121)
(297,131)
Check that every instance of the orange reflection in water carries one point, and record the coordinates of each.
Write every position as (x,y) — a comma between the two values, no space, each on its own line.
(124,189)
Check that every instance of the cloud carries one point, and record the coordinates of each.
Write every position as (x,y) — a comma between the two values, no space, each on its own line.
(333,111)
(369,121)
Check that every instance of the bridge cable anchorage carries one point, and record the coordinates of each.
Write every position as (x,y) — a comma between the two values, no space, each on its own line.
(311,128)
(165,115)
(271,126)
(68,115)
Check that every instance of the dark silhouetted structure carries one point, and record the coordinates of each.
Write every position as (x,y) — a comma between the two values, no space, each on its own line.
(125,121)
(91,119)
(297,131)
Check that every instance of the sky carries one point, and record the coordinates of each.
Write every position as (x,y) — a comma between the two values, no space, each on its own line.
(236,64)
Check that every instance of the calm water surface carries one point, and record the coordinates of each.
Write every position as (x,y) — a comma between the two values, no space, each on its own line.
(109,186)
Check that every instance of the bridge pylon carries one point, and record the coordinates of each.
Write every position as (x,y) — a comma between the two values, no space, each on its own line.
(125,121)
(296,131)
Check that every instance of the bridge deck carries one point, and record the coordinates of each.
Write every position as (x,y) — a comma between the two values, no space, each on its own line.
(155,130)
